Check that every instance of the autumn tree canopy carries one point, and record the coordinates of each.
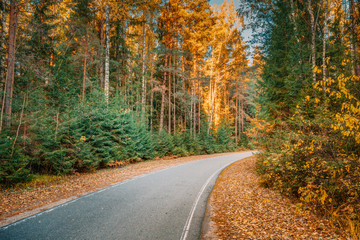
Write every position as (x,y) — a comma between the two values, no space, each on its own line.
(88,83)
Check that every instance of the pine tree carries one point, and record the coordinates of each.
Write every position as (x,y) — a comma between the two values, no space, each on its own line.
(9,84)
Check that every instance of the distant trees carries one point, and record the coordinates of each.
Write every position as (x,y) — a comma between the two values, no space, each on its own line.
(89,83)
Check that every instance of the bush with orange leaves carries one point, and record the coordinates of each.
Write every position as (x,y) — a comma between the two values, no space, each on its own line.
(316,156)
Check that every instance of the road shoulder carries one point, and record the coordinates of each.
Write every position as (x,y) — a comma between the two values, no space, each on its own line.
(240,208)
(20,202)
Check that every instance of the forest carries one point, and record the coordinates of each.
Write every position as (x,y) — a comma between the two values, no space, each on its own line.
(90,84)
(308,103)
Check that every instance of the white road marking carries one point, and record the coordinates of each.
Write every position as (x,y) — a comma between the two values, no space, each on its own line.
(85,196)
(191,214)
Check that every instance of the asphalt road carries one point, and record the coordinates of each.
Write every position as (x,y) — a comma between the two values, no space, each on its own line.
(167,204)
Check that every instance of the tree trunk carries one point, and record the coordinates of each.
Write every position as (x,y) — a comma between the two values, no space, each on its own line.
(174,94)
(143,97)
(194,97)
(199,110)
(151,97)
(107,55)
(101,62)
(324,46)
(2,40)
(211,93)
(242,117)
(161,125)
(354,44)
(85,61)
(313,38)
(236,119)
(18,128)
(11,62)
(118,57)
(184,89)
(209,102)
(162,109)
(293,19)
(169,95)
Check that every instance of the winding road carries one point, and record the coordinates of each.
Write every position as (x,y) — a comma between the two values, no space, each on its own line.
(166,204)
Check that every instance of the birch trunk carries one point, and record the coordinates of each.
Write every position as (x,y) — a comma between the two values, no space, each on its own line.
(101,63)
(313,38)
(11,61)
(143,97)
(324,46)
(107,55)
(174,94)
(293,19)
(169,95)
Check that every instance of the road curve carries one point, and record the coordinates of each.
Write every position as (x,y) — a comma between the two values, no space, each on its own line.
(166,204)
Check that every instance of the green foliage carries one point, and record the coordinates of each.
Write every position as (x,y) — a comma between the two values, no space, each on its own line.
(96,135)
(312,165)
(67,127)
(224,143)
(308,130)
(93,137)
(163,144)
(14,164)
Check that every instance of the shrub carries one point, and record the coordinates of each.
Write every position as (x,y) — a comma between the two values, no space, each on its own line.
(13,164)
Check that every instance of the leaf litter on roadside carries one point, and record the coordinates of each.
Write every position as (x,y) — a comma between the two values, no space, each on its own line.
(243,209)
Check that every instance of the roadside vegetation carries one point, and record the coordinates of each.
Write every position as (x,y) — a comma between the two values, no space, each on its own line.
(88,84)
(308,104)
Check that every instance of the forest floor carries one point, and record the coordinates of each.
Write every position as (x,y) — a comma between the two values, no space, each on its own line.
(48,191)
(240,208)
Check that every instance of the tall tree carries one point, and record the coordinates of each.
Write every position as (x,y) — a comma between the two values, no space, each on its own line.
(10,75)
(313,38)
(324,43)
(354,38)
(2,59)
(107,54)
(3,39)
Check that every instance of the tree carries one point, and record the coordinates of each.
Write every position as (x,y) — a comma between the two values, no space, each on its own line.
(9,85)
(3,70)
(154,61)
(107,54)
(196,36)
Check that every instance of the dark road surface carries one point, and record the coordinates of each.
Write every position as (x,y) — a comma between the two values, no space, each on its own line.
(167,204)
